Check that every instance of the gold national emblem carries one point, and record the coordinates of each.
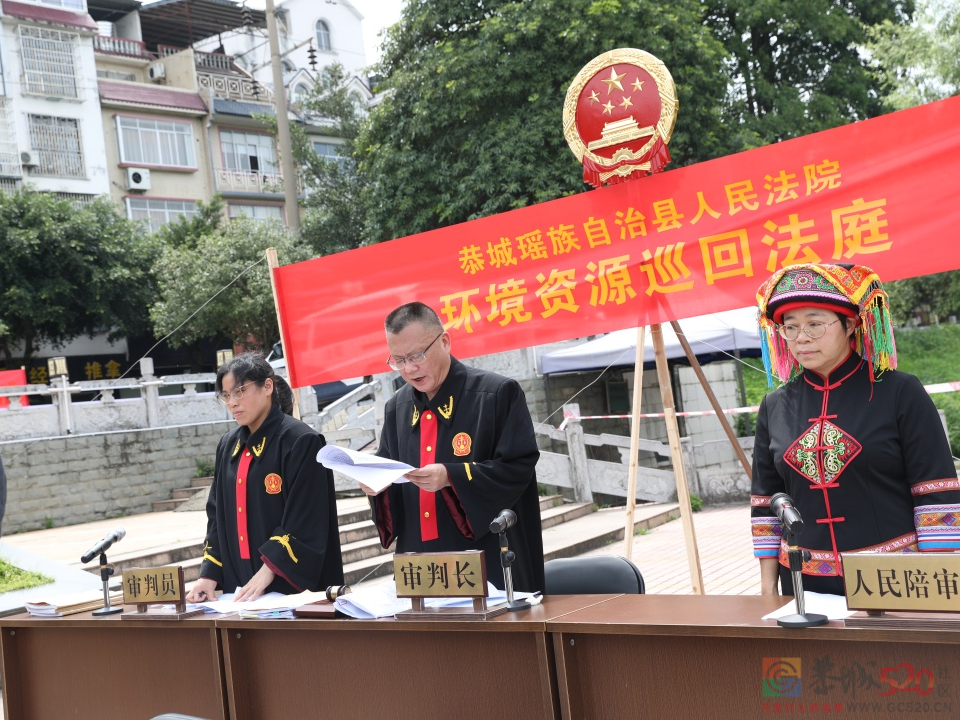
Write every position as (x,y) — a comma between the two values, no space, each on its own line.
(273,483)
(619,115)
(461,444)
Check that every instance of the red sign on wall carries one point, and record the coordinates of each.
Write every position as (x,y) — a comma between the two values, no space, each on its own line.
(882,193)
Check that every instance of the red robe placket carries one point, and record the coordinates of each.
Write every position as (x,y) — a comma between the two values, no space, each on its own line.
(242,474)
(428,454)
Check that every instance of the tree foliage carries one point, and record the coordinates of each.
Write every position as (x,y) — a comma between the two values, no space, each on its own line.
(184,232)
(66,272)
(918,62)
(231,260)
(795,68)
(471,121)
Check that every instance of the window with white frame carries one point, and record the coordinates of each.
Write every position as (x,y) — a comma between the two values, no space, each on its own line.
(157,213)
(155,142)
(49,61)
(331,153)
(257,212)
(248,152)
(323,35)
(58,145)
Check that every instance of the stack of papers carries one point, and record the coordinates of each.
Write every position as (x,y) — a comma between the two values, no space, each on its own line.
(70,604)
(373,471)
(270,606)
(382,601)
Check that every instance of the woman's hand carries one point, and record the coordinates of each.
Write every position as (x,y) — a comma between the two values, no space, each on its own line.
(257,585)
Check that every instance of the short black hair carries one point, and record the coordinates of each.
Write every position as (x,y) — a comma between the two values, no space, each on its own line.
(252,367)
(413,312)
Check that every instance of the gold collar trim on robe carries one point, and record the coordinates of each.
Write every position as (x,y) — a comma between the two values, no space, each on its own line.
(446,410)
(416,416)
(258,449)
(236,449)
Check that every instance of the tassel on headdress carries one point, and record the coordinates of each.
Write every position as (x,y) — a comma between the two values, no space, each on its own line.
(851,290)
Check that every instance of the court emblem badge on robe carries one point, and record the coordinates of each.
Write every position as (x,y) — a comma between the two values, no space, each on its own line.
(619,114)
(273,483)
(461,444)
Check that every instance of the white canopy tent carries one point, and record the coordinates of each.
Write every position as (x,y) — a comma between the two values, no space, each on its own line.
(728,331)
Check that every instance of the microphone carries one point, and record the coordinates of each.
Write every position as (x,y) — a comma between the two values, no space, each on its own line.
(506,519)
(782,505)
(104,545)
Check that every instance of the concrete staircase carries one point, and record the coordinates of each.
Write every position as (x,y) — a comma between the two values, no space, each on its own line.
(569,529)
(198,487)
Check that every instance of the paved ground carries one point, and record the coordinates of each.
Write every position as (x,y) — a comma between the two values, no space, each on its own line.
(725,549)
(723,540)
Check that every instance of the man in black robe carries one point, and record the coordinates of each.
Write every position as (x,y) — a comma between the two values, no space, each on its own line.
(469,435)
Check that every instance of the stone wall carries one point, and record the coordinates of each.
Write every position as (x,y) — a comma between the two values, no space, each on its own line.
(79,478)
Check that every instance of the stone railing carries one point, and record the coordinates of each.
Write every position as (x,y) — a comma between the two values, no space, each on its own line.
(119,46)
(250,182)
(655,480)
(126,404)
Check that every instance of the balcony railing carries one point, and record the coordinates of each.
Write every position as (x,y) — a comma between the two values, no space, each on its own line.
(119,46)
(234,87)
(251,182)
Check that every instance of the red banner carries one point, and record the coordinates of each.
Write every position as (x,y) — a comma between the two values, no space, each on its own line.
(13,378)
(883,193)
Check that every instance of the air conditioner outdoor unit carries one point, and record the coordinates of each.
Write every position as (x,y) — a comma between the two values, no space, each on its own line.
(138,178)
(156,72)
(29,158)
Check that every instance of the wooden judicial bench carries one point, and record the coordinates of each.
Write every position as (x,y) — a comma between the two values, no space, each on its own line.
(599,656)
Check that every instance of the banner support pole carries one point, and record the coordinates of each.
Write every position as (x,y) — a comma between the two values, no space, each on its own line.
(634,444)
(272,264)
(714,403)
(676,454)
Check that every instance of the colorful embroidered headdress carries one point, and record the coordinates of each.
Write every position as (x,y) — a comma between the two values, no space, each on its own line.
(851,290)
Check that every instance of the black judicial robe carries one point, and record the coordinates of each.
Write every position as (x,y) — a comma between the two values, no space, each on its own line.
(289,513)
(485,439)
(867,465)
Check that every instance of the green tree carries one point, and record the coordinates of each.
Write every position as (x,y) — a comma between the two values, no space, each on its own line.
(333,209)
(918,62)
(230,259)
(795,68)
(66,272)
(471,120)
(184,232)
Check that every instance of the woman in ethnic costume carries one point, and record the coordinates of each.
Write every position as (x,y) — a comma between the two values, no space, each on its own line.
(271,512)
(858,446)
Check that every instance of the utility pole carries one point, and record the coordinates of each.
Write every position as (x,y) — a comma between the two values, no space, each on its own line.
(287,168)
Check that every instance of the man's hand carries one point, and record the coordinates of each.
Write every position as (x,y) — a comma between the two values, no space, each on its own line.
(257,585)
(430,478)
(203,591)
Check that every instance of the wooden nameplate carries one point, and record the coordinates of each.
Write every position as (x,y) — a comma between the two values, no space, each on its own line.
(322,609)
(480,611)
(161,613)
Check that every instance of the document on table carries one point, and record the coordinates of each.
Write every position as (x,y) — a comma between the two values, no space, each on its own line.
(833,606)
(373,471)
(382,601)
(271,605)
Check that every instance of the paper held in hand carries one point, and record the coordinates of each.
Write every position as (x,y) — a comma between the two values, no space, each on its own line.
(373,471)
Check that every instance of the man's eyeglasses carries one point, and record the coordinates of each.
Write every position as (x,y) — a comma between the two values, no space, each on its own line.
(812,330)
(234,395)
(413,358)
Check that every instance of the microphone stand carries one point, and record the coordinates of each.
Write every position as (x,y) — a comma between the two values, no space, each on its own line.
(800,619)
(106,571)
(507,557)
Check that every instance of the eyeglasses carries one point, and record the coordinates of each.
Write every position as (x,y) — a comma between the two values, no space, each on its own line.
(234,395)
(813,330)
(413,358)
